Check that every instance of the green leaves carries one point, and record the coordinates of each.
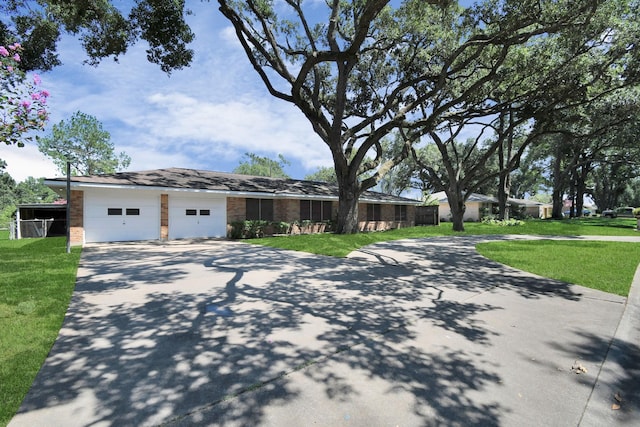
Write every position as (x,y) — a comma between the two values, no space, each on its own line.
(104,30)
(84,142)
(262,166)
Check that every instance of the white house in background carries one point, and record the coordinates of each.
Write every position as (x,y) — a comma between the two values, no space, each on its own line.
(478,205)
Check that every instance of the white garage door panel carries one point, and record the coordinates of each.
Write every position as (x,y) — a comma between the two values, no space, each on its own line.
(102,227)
(198,223)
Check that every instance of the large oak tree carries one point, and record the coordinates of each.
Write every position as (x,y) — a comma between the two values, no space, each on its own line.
(361,70)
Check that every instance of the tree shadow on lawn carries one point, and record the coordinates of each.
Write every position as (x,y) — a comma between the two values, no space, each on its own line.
(455,260)
(153,337)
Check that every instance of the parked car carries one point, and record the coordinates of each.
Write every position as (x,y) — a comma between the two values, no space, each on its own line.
(625,211)
(585,212)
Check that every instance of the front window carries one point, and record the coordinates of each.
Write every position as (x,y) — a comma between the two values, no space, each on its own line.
(259,209)
(315,210)
(373,212)
(401,213)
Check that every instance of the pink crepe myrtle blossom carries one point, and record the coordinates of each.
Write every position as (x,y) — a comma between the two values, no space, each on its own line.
(22,104)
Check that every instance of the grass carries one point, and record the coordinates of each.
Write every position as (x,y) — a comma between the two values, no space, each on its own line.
(342,245)
(607,266)
(37,278)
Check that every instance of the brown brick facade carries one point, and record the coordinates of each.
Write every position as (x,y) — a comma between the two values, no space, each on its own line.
(236,209)
(164,217)
(288,210)
(387,218)
(76,230)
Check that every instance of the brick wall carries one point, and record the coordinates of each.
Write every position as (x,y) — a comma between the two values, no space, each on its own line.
(76,230)
(288,210)
(387,218)
(164,216)
(236,209)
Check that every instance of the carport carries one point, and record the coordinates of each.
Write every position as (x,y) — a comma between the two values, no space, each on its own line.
(40,220)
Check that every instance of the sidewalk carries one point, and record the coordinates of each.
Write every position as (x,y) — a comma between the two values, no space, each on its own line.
(615,400)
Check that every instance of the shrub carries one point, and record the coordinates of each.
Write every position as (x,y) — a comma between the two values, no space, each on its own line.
(503,223)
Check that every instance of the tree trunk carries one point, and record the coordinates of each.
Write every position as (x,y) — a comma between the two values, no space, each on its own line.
(503,196)
(347,208)
(556,213)
(558,186)
(581,187)
(456,203)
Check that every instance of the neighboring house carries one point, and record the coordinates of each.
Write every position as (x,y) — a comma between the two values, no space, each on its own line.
(479,205)
(180,203)
(532,208)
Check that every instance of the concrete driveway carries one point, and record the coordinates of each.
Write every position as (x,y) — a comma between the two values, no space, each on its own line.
(407,333)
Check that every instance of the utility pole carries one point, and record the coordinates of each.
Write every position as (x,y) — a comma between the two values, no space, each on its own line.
(68,206)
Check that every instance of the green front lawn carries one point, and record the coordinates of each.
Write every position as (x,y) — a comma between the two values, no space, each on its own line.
(607,266)
(37,278)
(342,245)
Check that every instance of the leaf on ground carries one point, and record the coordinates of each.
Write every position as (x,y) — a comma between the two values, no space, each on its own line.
(577,368)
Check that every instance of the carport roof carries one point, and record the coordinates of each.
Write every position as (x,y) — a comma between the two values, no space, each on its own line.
(191,179)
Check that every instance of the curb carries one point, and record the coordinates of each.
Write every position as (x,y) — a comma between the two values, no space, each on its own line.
(615,398)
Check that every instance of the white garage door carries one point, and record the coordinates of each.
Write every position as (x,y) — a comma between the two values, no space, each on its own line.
(197,216)
(118,215)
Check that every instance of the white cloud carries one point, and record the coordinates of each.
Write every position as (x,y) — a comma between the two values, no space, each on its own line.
(205,116)
(23,162)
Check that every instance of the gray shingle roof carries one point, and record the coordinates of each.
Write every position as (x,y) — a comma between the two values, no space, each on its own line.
(179,178)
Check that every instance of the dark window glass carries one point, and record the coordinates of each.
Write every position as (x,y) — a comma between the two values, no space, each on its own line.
(253,209)
(326,211)
(315,210)
(114,211)
(305,210)
(205,212)
(266,209)
(401,212)
(191,212)
(373,212)
(133,211)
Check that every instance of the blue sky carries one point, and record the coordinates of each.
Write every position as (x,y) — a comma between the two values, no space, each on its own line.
(202,117)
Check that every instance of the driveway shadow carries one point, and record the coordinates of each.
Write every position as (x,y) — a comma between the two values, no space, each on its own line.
(220,333)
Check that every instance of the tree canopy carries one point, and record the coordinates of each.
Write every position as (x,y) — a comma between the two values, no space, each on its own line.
(428,73)
(102,27)
(252,164)
(362,70)
(82,141)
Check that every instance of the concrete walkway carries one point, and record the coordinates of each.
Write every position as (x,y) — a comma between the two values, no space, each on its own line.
(410,333)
